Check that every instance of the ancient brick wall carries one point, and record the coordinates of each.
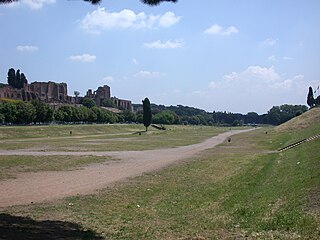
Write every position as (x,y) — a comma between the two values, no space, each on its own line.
(43,91)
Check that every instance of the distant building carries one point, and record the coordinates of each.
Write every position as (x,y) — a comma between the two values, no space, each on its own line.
(57,93)
(103,93)
(49,92)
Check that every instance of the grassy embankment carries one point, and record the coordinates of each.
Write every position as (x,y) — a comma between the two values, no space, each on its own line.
(238,189)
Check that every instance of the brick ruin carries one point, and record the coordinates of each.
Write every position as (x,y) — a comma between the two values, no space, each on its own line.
(103,93)
(51,92)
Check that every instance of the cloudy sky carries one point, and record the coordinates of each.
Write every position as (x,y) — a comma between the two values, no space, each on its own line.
(223,55)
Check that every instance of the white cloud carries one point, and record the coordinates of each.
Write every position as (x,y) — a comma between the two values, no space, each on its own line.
(259,87)
(32,4)
(269,42)
(12,5)
(101,19)
(83,58)
(198,93)
(253,73)
(168,19)
(37,4)
(272,58)
(27,48)
(135,61)
(107,79)
(164,45)
(218,30)
(287,58)
(147,74)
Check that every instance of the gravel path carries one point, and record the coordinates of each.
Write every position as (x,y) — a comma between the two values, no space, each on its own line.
(48,186)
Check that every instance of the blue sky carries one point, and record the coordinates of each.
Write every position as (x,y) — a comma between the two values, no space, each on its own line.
(226,55)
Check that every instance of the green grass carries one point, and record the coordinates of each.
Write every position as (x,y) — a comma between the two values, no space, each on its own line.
(43,131)
(237,190)
(103,137)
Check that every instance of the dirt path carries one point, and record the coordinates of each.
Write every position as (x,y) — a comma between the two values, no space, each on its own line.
(48,186)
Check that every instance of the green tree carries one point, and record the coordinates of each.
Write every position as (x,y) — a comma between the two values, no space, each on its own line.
(11,77)
(18,79)
(274,115)
(81,114)
(164,117)
(9,110)
(58,115)
(310,98)
(252,117)
(88,102)
(128,116)
(64,113)
(43,112)
(92,117)
(108,103)
(26,113)
(147,115)
(23,80)
(2,118)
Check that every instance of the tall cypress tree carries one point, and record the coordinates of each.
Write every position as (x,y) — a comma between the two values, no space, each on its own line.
(23,80)
(310,98)
(147,115)
(11,77)
(18,79)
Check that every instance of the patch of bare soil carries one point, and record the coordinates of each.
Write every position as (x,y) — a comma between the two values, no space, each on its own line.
(313,202)
(37,187)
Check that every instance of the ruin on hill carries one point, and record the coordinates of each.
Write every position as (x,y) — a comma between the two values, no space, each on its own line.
(57,93)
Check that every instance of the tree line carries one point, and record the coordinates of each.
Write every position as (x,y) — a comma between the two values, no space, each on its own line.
(19,112)
(189,115)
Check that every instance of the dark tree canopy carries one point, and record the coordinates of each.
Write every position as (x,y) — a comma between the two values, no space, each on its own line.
(310,98)
(16,79)
(11,77)
(147,115)
(88,102)
(149,2)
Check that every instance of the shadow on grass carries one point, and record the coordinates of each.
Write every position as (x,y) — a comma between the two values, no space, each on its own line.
(16,227)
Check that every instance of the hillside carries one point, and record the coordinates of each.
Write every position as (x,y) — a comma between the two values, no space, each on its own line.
(303,121)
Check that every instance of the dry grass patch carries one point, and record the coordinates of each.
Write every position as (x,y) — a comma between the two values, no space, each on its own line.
(10,166)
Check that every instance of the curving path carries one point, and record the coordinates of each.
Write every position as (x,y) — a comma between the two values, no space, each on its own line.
(52,185)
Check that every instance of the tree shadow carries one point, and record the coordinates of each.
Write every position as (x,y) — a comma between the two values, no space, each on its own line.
(16,227)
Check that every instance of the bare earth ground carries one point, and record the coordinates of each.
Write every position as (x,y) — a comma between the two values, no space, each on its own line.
(37,187)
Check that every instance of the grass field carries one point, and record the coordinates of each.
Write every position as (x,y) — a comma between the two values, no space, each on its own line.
(101,137)
(242,189)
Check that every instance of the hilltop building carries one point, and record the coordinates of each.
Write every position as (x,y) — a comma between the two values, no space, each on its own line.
(49,92)
(103,93)
(57,93)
